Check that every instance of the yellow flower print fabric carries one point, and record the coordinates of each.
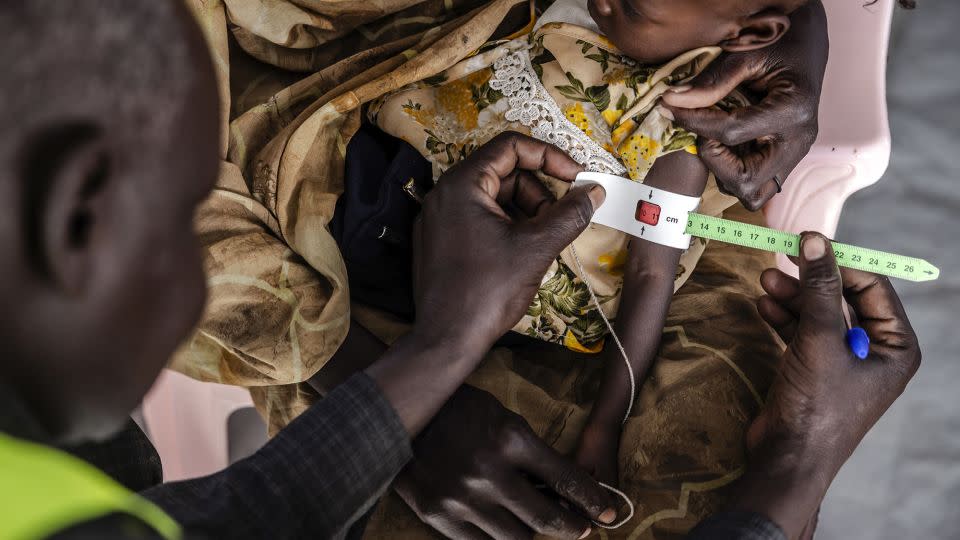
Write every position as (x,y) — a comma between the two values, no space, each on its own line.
(603,94)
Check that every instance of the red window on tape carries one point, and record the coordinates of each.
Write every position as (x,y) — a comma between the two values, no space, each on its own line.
(648,213)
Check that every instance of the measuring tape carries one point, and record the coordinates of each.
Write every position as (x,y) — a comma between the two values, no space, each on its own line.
(756,237)
(659,216)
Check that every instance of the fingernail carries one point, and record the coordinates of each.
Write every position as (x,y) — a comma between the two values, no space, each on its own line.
(597,195)
(680,89)
(608,515)
(586,533)
(814,247)
(667,113)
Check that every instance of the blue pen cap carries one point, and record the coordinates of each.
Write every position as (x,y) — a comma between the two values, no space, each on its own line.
(859,342)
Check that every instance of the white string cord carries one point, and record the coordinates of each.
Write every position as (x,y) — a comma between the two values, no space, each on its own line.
(633,382)
(613,333)
(623,521)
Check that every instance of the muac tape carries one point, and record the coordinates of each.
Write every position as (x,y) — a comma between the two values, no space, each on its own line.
(669,219)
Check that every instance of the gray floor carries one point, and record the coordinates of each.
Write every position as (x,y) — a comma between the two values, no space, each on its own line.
(904,481)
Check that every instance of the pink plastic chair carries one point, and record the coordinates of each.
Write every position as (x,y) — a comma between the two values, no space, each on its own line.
(853,148)
(187,422)
(187,419)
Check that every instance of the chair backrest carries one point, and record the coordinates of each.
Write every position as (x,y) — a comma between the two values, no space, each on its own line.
(187,422)
(853,148)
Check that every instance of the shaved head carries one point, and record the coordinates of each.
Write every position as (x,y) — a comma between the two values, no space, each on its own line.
(121,58)
(73,69)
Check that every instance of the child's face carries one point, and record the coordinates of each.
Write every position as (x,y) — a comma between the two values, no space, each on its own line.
(656,31)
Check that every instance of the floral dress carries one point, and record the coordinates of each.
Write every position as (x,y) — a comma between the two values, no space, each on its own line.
(569,86)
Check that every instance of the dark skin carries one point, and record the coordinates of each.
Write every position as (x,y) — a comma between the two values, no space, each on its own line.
(744,148)
(467,246)
(823,400)
(488,204)
(784,68)
(792,441)
(498,463)
(656,31)
(74,280)
(780,128)
(647,291)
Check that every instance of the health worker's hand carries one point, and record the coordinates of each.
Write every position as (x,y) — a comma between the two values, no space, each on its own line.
(823,400)
(488,233)
(780,128)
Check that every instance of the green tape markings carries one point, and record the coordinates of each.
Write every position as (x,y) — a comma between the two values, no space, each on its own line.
(763,238)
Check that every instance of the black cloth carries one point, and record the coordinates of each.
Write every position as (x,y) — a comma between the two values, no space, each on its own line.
(315,479)
(373,220)
(128,457)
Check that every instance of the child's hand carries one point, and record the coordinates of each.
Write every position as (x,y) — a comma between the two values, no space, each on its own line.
(598,453)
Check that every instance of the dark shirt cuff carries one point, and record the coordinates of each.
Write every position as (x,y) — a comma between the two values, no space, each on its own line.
(316,478)
(375,443)
(737,526)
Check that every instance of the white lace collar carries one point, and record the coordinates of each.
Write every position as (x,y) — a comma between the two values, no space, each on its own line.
(531,105)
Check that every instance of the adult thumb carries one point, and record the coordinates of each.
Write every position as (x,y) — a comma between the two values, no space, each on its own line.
(821,287)
(557,226)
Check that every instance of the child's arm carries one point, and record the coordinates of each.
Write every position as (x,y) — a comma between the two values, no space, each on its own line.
(647,289)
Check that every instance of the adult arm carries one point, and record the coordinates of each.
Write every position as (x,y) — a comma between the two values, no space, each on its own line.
(823,400)
(745,148)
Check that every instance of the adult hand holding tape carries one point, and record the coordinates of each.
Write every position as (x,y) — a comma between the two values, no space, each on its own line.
(822,401)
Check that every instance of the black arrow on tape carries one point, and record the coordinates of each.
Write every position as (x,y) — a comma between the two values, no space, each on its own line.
(651,194)
(642,230)
(928,272)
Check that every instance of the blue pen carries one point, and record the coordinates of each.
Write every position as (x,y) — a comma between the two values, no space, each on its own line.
(857,338)
(859,342)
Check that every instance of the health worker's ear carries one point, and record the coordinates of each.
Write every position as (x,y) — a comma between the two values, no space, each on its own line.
(67,181)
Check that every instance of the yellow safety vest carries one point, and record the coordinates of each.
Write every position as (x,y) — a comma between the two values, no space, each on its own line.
(44,491)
